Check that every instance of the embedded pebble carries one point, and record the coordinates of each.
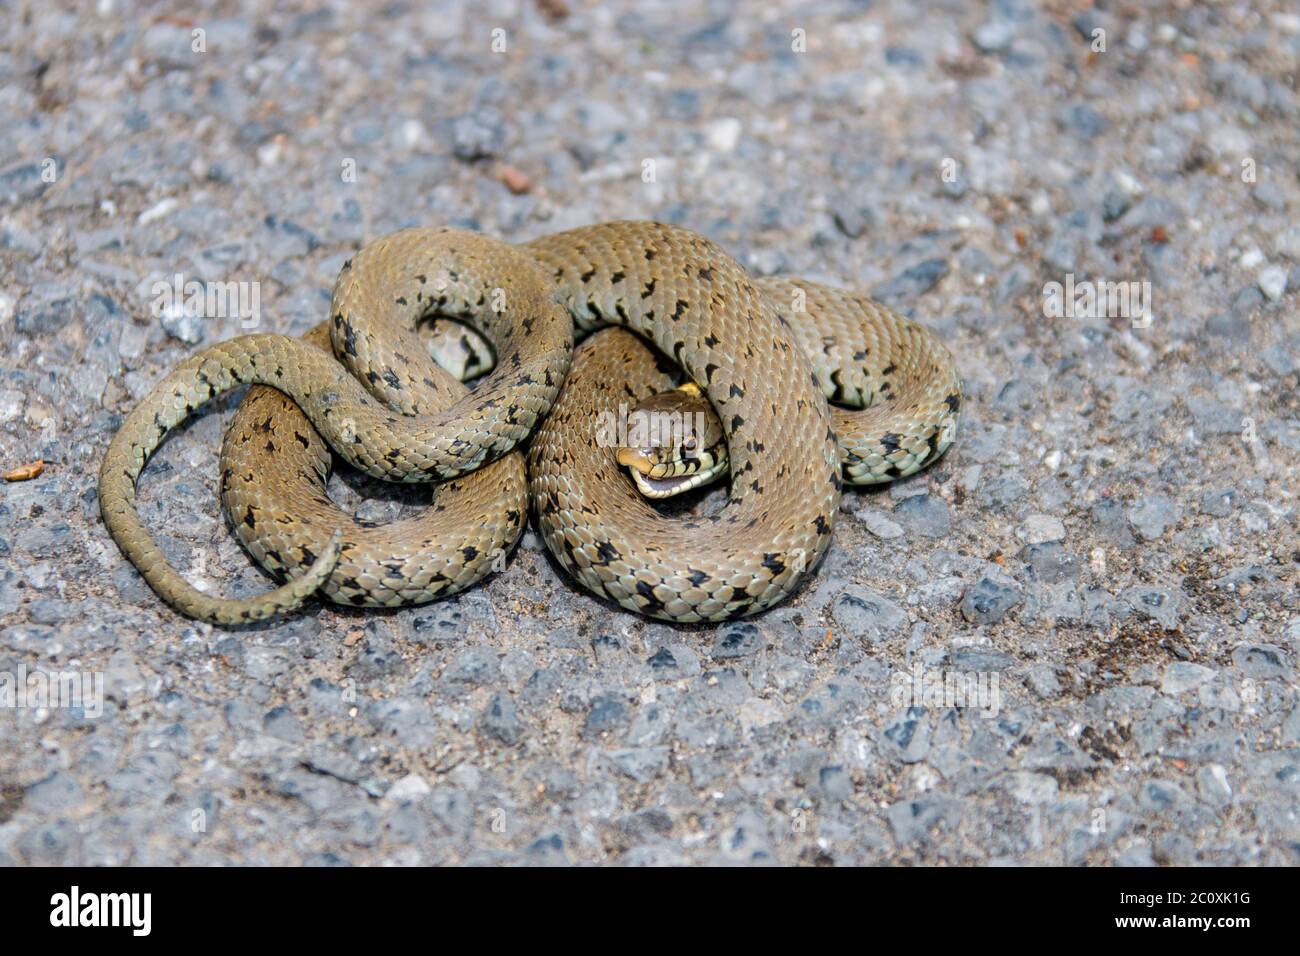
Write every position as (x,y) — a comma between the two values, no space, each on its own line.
(478,135)
(1273,282)
(186,326)
(879,525)
(987,601)
(1182,676)
(1040,529)
(1152,515)
(994,36)
(865,614)
(926,515)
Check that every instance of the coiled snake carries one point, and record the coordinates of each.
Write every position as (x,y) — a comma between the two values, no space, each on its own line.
(766,354)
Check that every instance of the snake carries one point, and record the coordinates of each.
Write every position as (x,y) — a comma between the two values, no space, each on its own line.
(799,387)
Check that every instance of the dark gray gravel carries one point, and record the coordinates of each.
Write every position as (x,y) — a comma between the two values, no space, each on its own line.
(1073,640)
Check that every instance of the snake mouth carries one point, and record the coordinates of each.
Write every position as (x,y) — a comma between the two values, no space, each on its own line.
(662,487)
(650,485)
(641,469)
(634,460)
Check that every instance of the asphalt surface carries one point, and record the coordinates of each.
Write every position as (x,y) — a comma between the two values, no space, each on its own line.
(1107,559)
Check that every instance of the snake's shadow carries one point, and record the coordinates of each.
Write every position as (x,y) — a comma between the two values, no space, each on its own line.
(693,504)
(356,492)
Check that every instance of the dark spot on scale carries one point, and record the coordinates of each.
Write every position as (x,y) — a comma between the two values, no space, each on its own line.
(737,391)
(588,276)
(391,378)
(400,300)
(711,340)
(736,422)
(302,439)
(249,519)
(706,274)
(607,552)
(470,553)
(891,441)
(349,339)
(933,442)
(682,306)
(650,254)
(698,577)
(773,563)
(889,370)
(835,380)
(648,289)
(953,402)
(618,276)
(822,525)
(652,603)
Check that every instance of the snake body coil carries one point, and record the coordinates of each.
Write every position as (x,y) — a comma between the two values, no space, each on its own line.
(766,365)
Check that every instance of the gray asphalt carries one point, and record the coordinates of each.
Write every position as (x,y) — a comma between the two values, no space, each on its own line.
(1108,555)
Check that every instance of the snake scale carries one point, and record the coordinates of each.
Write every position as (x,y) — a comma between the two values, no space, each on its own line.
(767,354)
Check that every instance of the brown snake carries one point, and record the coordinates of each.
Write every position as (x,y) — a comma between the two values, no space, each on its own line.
(767,354)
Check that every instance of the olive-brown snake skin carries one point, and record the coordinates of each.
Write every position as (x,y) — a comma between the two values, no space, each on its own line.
(766,353)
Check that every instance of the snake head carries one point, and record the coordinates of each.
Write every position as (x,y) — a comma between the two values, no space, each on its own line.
(674,443)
